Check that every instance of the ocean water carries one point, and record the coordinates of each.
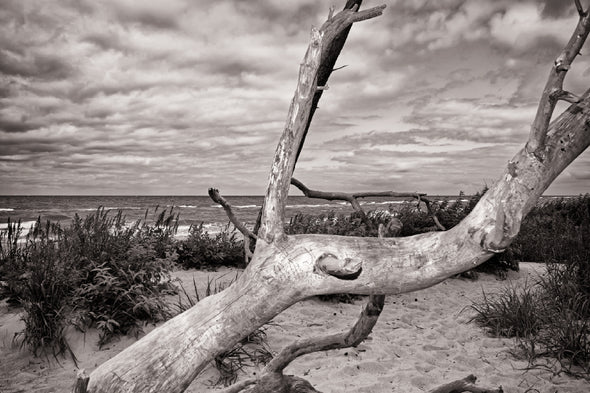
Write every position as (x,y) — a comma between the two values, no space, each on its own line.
(192,209)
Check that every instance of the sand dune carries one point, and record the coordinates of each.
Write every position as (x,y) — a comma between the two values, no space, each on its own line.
(421,341)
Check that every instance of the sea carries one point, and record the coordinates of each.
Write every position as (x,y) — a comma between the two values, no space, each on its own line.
(192,210)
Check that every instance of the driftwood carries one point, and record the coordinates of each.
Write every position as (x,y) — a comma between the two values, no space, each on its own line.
(466,384)
(353,198)
(288,268)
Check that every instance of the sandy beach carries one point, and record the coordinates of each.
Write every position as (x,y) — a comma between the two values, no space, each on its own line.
(422,340)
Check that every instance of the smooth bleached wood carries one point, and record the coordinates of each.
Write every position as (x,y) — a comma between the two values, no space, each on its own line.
(286,269)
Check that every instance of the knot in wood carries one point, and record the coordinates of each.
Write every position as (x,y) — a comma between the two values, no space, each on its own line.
(343,269)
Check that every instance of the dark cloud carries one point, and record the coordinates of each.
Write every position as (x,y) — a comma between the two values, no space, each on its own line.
(36,65)
(558,8)
(106,41)
(293,19)
(16,126)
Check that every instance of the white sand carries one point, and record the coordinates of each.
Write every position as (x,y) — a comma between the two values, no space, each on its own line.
(421,341)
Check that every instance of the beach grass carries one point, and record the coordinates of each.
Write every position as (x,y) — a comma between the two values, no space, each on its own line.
(549,318)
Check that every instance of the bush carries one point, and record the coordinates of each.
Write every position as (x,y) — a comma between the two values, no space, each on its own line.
(558,230)
(98,271)
(511,313)
(126,273)
(200,250)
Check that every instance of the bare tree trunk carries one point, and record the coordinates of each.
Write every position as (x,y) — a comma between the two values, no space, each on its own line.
(286,269)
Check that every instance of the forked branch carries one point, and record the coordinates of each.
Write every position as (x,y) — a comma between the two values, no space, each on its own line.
(553,90)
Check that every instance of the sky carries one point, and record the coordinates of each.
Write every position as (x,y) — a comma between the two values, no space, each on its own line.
(171,97)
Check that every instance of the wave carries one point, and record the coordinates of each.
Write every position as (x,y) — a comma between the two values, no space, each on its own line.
(6,209)
(314,206)
(24,224)
(91,209)
(187,206)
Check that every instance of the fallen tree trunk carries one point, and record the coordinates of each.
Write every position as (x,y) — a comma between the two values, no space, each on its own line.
(286,269)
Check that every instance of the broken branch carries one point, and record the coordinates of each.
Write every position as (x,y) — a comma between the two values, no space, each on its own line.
(553,90)
(299,116)
(353,199)
(217,198)
(352,338)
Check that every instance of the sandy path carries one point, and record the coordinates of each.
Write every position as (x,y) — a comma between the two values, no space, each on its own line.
(421,341)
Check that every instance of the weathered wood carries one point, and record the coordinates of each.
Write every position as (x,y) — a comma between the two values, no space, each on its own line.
(553,90)
(298,117)
(357,334)
(217,198)
(282,272)
(466,384)
(353,198)
(284,269)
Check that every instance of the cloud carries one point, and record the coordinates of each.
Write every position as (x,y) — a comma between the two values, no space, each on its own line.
(120,96)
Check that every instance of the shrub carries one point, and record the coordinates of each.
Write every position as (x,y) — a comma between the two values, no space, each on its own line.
(338,224)
(108,274)
(201,250)
(13,264)
(557,230)
(126,273)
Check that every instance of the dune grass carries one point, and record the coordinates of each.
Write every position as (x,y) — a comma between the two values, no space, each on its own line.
(550,318)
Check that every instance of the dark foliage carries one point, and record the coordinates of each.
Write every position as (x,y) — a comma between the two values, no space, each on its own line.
(201,250)
(98,271)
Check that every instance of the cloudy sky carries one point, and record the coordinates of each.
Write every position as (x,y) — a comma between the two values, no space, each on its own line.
(170,97)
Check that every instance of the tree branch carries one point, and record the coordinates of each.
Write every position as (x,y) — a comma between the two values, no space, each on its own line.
(353,199)
(553,90)
(217,198)
(299,116)
(333,196)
